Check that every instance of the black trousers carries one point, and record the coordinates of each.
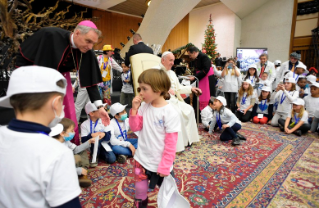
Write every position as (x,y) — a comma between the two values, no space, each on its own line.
(242,117)
(304,128)
(231,100)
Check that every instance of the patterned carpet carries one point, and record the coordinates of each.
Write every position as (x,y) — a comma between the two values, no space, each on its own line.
(269,169)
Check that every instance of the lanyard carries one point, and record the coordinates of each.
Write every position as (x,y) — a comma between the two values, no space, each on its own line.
(263,107)
(219,122)
(94,126)
(296,119)
(128,73)
(294,76)
(276,104)
(105,64)
(243,100)
(283,97)
(121,130)
(42,132)
(252,80)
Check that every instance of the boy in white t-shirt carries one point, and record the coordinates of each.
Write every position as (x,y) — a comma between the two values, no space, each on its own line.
(312,101)
(121,145)
(36,170)
(207,114)
(127,93)
(93,127)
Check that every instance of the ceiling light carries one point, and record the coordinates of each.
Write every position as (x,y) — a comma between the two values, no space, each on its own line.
(148,2)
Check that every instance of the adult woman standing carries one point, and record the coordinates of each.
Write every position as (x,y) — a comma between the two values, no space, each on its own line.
(106,64)
(230,87)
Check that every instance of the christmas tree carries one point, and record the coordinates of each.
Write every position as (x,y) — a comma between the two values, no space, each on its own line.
(209,47)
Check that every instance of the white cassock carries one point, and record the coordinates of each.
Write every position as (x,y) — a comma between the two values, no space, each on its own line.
(189,131)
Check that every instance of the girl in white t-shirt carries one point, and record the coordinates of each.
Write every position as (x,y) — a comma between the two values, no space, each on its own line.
(230,85)
(155,119)
(246,101)
(284,94)
(252,75)
(297,121)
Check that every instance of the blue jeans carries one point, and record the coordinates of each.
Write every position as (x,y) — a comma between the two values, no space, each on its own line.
(108,156)
(120,150)
(230,132)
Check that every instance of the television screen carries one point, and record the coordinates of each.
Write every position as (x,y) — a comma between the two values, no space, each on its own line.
(248,56)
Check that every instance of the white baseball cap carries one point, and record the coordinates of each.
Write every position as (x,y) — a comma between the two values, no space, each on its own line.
(31,80)
(299,101)
(117,108)
(290,79)
(311,78)
(265,88)
(277,62)
(222,100)
(247,81)
(90,107)
(316,84)
(252,66)
(301,65)
(56,130)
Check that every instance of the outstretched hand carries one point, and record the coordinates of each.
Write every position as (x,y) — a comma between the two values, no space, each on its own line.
(104,117)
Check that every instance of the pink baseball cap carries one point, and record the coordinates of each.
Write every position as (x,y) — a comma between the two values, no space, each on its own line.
(88,23)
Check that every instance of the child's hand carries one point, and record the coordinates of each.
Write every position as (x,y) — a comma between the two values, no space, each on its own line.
(245,111)
(288,131)
(101,135)
(84,171)
(92,141)
(162,175)
(225,126)
(136,102)
(126,80)
(95,134)
(132,148)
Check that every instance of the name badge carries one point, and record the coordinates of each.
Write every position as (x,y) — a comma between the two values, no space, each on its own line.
(104,73)
(260,115)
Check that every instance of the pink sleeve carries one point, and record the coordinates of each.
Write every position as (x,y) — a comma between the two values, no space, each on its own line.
(168,154)
(136,122)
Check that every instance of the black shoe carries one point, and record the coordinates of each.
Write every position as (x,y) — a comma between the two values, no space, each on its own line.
(141,204)
(240,136)
(121,159)
(281,127)
(236,141)
(298,132)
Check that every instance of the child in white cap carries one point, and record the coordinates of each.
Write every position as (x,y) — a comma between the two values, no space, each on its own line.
(312,101)
(302,86)
(127,93)
(93,127)
(296,121)
(263,82)
(246,101)
(262,111)
(121,145)
(284,95)
(36,170)
(207,113)
(224,119)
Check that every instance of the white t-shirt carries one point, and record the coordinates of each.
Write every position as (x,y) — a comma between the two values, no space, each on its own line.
(262,106)
(230,83)
(151,142)
(304,117)
(311,104)
(86,130)
(306,91)
(206,115)
(245,101)
(36,171)
(118,139)
(127,87)
(284,100)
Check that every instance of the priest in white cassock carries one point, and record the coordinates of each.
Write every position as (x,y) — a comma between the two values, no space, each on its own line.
(189,131)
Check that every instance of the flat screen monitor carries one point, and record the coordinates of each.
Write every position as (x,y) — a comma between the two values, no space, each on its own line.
(248,56)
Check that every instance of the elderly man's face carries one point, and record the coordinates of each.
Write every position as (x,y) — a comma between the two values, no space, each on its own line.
(85,42)
(293,60)
(168,61)
(263,59)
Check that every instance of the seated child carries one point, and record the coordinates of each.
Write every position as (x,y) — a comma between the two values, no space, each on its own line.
(300,69)
(312,101)
(93,127)
(302,86)
(246,101)
(127,93)
(207,113)
(297,121)
(263,82)
(285,94)
(64,133)
(223,118)
(121,144)
(36,170)
(262,111)
(315,122)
